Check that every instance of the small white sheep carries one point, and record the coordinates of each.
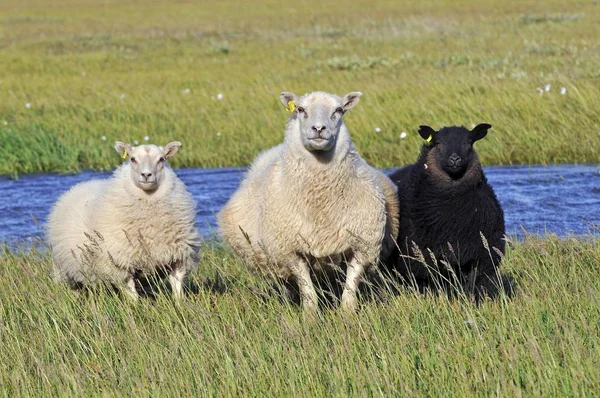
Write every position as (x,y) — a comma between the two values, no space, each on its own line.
(312,201)
(141,220)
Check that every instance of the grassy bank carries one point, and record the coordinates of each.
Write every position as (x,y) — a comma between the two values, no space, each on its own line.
(229,339)
(77,71)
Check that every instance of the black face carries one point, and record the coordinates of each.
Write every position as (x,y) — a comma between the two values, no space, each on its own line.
(454,146)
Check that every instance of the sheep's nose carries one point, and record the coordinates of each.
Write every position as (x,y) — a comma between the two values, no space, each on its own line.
(146,175)
(318,128)
(454,160)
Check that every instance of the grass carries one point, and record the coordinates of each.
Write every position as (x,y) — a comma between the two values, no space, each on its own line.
(229,339)
(118,70)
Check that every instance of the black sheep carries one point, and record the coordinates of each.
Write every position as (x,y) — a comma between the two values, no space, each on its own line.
(446,206)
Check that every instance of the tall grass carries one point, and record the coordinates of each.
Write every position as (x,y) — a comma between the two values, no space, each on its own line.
(122,70)
(232,336)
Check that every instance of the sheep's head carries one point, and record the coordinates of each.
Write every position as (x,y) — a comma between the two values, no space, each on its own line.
(452,147)
(319,116)
(147,162)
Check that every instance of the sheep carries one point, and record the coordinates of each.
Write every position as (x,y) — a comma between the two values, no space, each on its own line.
(313,203)
(449,210)
(138,222)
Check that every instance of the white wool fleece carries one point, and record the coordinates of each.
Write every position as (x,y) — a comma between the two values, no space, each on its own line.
(111,229)
(295,209)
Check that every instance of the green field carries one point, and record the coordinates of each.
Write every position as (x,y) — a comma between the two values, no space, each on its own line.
(77,75)
(233,337)
(125,70)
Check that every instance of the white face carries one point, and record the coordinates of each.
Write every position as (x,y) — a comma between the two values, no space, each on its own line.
(147,162)
(320,120)
(319,117)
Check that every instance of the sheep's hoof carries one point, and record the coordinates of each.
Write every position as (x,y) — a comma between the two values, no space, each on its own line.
(177,296)
(310,307)
(132,296)
(130,290)
(349,302)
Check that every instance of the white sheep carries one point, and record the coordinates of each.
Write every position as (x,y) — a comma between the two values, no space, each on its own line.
(141,220)
(313,200)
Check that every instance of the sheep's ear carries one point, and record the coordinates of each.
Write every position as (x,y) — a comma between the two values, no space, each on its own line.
(480,131)
(426,133)
(171,149)
(350,100)
(286,97)
(123,149)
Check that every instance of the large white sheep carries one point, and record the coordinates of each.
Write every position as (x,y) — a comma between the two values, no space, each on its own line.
(313,201)
(139,221)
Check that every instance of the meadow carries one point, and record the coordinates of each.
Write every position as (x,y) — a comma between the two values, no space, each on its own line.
(77,75)
(233,336)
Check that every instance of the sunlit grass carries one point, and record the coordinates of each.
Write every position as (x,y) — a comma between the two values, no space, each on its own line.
(122,71)
(233,336)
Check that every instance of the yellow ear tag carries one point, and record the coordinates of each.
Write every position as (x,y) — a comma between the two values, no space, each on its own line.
(429,139)
(291,106)
(124,155)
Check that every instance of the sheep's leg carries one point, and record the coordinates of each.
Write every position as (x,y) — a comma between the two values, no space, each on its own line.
(353,277)
(130,288)
(485,281)
(176,279)
(308,294)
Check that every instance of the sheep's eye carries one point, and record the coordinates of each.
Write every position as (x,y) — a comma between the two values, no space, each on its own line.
(132,160)
(161,160)
(339,110)
(300,109)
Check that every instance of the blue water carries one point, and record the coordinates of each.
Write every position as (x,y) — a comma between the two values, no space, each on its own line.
(561,199)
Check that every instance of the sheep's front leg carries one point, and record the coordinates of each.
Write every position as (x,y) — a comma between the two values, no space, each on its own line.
(177,277)
(353,277)
(483,280)
(308,294)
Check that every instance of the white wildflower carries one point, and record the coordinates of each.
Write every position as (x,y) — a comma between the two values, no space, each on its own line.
(186,91)
(135,142)
(403,135)
(28,105)
(218,133)
(563,90)
(122,96)
(4,122)
(103,138)
(146,138)
(547,87)
(219,96)
(377,130)
(540,90)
